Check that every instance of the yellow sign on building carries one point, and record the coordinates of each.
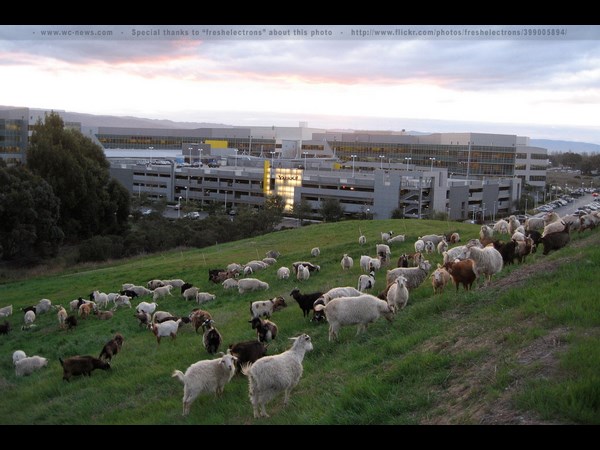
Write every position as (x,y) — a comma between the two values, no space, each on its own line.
(216,143)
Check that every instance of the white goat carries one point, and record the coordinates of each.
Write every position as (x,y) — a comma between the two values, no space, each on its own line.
(347,262)
(270,375)
(30,364)
(205,377)
(251,284)
(397,294)
(283,273)
(161,292)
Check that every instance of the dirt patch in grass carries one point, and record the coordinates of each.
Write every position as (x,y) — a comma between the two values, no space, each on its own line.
(473,392)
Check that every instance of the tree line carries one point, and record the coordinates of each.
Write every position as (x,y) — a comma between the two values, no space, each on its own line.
(64,195)
(589,164)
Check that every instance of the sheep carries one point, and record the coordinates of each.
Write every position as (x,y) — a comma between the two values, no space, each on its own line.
(397,294)
(184,287)
(555,241)
(100,298)
(6,311)
(283,273)
(140,291)
(29,364)
(43,306)
(61,315)
(383,253)
(112,347)
(488,260)
(439,279)
(552,223)
(347,262)
(429,247)
(146,307)
(316,251)
(362,239)
(303,273)
(366,281)
(587,222)
(143,317)
(81,365)
(271,375)
(267,307)
(234,268)
(176,283)
(534,223)
(122,300)
(501,227)
(435,238)
(129,293)
(462,271)
(159,316)
(5,327)
(419,246)
(573,221)
(518,236)
(247,271)
(368,264)
(18,355)
(230,283)
(126,286)
(256,265)
(161,292)
(269,261)
(396,239)
(168,328)
(442,247)
(414,275)
(454,238)
(71,322)
(198,317)
(385,236)
(360,311)
(86,309)
(104,315)
(251,284)
(265,329)
(337,292)
(203,297)
(190,294)
(524,248)
(273,254)
(28,318)
(513,224)
(305,301)
(205,377)
(312,267)
(247,352)
(153,284)
(211,338)
(486,233)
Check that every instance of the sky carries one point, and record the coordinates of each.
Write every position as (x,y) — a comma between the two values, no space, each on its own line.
(537,81)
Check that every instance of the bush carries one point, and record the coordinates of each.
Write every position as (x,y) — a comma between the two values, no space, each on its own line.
(101,248)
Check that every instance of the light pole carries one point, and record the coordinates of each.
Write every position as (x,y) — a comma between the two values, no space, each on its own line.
(150,148)
(305,153)
(432,159)
(236,151)
(186,194)
(200,155)
(272,156)
(190,150)
(179,208)
(381,157)
(494,216)
(407,159)
(250,147)
(353,157)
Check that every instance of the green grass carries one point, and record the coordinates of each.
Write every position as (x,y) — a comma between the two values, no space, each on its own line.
(405,372)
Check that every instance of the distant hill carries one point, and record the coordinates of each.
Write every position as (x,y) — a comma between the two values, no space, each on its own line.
(565,146)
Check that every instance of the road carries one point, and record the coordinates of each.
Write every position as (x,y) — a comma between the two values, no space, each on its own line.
(570,208)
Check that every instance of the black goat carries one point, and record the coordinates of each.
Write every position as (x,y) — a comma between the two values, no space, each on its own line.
(305,301)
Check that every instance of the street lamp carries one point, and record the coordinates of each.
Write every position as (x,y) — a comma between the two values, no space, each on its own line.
(305,153)
(150,148)
(407,159)
(190,150)
(186,194)
(250,146)
(179,208)
(352,156)
(381,161)
(272,156)
(432,159)
(236,151)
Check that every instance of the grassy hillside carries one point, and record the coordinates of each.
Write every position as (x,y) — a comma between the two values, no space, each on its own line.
(524,350)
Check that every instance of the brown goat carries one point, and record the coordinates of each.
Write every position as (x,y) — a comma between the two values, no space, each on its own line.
(81,365)
(112,347)
(198,317)
(461,272)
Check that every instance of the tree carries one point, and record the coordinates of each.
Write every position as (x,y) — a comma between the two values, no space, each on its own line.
(77,170)
(29,215)
(331,210)
(302,210)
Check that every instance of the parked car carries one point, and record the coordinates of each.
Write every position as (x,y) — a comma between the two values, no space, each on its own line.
(192,215)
